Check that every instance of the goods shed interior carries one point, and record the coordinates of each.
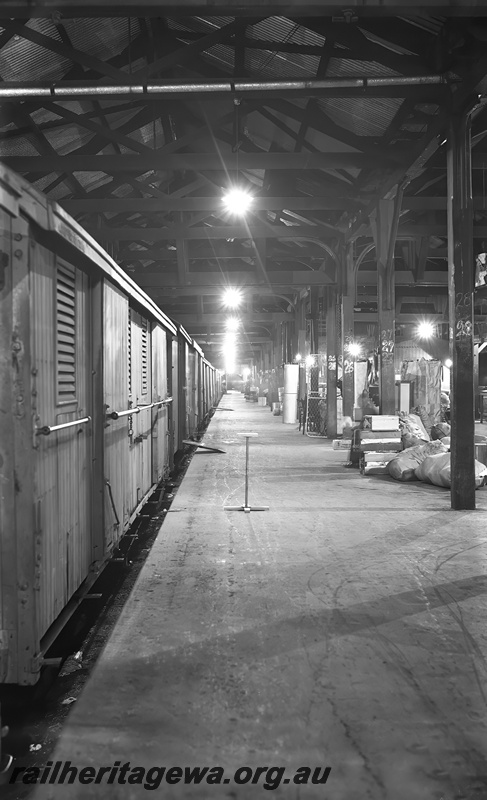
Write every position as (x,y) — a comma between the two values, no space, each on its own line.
(352,129)
(356,135)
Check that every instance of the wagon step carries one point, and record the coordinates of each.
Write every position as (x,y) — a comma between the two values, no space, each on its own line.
(203,446)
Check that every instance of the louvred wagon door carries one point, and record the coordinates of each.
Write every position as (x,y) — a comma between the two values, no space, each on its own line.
(62,370)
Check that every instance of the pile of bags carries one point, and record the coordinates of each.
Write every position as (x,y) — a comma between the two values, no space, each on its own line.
(431,463)
(403,466)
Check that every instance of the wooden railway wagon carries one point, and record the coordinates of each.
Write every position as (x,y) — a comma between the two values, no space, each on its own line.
(91,408)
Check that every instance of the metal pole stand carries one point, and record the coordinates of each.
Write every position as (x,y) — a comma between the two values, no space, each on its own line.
(246,506)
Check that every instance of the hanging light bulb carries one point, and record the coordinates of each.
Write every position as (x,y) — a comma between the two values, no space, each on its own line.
(237,201)
(354,349)
(425,330)
(232,298)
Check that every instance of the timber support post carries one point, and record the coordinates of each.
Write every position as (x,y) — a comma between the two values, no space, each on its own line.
(348,336)
(331,364)
(385,231)
(461,287)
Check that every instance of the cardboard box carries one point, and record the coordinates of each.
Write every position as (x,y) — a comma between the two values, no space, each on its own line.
(342,444)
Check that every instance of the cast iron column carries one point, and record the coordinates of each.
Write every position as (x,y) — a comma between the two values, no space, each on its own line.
(460,287)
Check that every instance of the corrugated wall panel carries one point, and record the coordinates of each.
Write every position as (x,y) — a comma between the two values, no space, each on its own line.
(8,550)
(51,557)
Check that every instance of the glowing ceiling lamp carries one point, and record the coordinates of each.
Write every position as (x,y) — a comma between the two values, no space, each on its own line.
(310,361)
(354,349)
(232,324)
(448,363)
(298,357)
(425,330)
(237,201)
(232,297)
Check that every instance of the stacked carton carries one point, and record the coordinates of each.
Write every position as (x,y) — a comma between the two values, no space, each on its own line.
(378,443)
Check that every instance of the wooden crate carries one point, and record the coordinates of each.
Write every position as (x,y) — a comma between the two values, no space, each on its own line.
(374,458)
(379,441)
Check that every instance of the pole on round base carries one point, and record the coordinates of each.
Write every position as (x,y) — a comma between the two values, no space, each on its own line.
(246,508)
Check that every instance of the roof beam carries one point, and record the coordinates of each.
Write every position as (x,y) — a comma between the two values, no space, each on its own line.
(243,231)
(192,319)
(285,251)
(171,203)
(289,278)
(193,161)
(258,231)
(212,291)
(285,280)
(152,8)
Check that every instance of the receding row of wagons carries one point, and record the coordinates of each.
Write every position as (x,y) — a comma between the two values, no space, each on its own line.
(98,390)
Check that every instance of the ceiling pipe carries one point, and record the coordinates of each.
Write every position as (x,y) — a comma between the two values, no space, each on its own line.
(21,91)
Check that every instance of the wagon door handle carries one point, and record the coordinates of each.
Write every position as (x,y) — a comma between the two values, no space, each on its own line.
(45,430)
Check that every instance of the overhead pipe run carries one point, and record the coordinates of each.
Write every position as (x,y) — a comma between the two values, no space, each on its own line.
(14,90)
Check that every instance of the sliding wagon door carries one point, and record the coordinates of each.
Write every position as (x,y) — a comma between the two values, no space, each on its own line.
(160,414)
(62,381)
(140,393)
(116,386)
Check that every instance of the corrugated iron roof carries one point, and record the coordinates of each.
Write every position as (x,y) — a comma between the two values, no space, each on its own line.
(346,67)
(281,65)
(369,116)
(18,147)
(199,24)
(221,55)
(68,138)
(20,59)
(103,38)
(60,191)
(44,181)
(425,22)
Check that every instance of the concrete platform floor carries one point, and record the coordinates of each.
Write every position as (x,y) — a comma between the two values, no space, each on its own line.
(346,627)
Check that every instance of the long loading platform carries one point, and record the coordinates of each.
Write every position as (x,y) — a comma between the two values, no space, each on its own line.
(343,628)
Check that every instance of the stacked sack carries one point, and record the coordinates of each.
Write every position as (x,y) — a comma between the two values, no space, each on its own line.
(436,469)
(429,462)
(403,467)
